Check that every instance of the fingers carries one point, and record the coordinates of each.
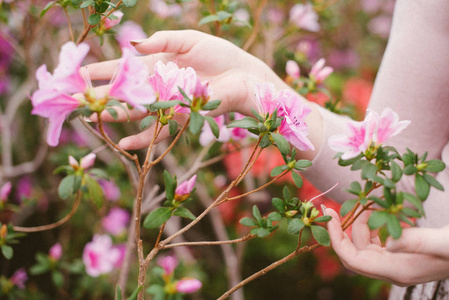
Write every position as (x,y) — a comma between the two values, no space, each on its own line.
(432,241)
(169,42)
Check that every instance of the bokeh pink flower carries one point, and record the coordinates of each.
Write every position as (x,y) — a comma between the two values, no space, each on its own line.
(19,278)
(168,264)
(5,190)
(188,285)
(55,252)
(100,256)
(304,17)
(116,221)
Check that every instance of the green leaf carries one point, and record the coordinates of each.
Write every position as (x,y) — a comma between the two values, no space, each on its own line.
(295,225)
(76,2)
(297,179)
(369,171)
(411,212)
(323,219)
(347,206)
(265,141)
(278,204)
(66,187)
(101,7)
(186,97)
(211,105)
(164,104)
(129,3)
(95,191)
(348,162)
(379,201)
(320,234)
(135,293)
(99,173)
(57,278)
(157,291)
(245,123)
(257,115)
(118,293)
(410,170)
(433,182)
(172,127)
(94,19)
(61,169)
(147,121)
(274,216)
(223,15)
(196,122)
(415,202)
(378,219)
(87,3)
(302,164)
(39,269)
(422,187)
(278,170)
(250,222)
(286,193)
(157,217)
(434,166)
(355,188)
(281,143)
(7,251)
(396,171)
(394,227)
(256,214)
(47,7)
(208,19)
(260,232)
(213,126)
(184,213)
(170,185)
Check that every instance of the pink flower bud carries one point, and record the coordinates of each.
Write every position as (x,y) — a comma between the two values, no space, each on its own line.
(88,161)
(5,191)
(319,72)
(109,23)
(73,162)
(168,263)
(183,190)
(292,69)
(55,251)
(188,285)
(19,278)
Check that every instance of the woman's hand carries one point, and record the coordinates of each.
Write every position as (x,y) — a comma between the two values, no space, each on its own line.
(419,255)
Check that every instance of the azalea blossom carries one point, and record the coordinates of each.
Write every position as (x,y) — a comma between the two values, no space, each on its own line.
(127,32)
(5,191)
(305,17)
(292,69)
(19,278)
(164,10)
(289,106)
(110,189)
(109,23)
(188,285)
(319,72)
(168,263)
(183,190)
(100,256)
(373,131)
(131,82)
(85,163)
(116,221)
(55,252)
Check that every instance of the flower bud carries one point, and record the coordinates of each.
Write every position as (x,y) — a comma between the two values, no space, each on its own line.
(109,23)
(290,213)
(88,161)
(319,72)
(183,190)
(5,191)
(73,163)
(55,252)
(168,263)
(188,285)
(19,278)
(292,69)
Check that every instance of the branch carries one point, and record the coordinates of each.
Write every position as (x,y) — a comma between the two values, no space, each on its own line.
(255,31)
(212,243)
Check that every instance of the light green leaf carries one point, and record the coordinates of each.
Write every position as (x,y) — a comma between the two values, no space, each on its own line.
(129,3)
(256,214)
(94,19)
(297,179)
(433,182)
(172,127)
(302,164)
(321,235)
(208,19)
(347,206)
(278,204)
(157,217)
(245,123)
(211,105)
(184,213)
(394,227)
(246,221)
(66,187)
(196,122)
(147,122)
(378,219)
(278,170)
(434,166)
(7,251)
(295,225)
(422,187)
(274,216)
(323,219)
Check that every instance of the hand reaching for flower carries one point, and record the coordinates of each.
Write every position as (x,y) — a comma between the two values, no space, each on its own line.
(419,255)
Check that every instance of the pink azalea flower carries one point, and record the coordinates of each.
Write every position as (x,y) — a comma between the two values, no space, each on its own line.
(168,263)
(361,135)
(185,188)
(5,191)
(109,23)
(88,161)
(131,83)
(100,256)
(164,10)
(225,134)
(380,25)
(292,69)
(305,17)
(266,98)
(116,221)
(55,252)
(24,187)
(122,251)
(19,278)
(188,285)
(319,72)
(238,134)
(127,32)
(110,189)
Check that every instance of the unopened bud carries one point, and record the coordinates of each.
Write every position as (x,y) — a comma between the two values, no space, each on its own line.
(3,232)
(291,213)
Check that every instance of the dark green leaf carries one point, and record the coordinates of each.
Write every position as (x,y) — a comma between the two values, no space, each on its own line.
(347,206)
(422,187)
(7,251)
(278,204)
(157,217)
(394,227)
(369,171)
(211,105)
(408,159)
(208,19)
(213,126)
(184,213)
(302,164)
(257,115)
(170,185)
(355,188)
(378,219)
(396,171)
(94,19)
(196,122)
(61,169)
(410,170)
(320,234)
(95,191)
(245,123)
(348,162)
(415,202)
(147,121)
(433,182)
(388,183)
(256,214)
(379,201)
(281,143)
(129,3)
(434,166)
(40,269)
(76,2)
(323,219)
(172,127)
(274,216)
(295,225)
(101,7)
(411,212)
(278,170)
(265,141)
(248,222)
(164,104)
(297,179)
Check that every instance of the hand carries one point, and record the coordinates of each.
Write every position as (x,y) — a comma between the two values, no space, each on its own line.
(419,255)
(230,71)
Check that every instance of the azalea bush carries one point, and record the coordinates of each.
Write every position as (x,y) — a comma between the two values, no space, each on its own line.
(83,218)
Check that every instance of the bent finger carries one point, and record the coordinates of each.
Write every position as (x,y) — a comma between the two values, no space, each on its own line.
(361,234)
(169,41)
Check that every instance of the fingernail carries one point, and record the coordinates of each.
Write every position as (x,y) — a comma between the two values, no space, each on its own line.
(87,119)
(323,209)
(137,42)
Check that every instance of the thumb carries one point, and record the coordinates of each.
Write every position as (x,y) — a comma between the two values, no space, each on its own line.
(431,241)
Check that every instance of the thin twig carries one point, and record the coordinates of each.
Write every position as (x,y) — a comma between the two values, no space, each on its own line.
(212,243)
(255,31)
(72,37)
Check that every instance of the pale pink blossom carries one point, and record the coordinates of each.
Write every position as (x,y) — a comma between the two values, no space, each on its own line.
(109,23)
(110,189)
(19,278)
(292,69)
(374,130)
(275,15)
(380,25)
(319,72)
(73,162)
(5,191)
(186,187)
(100,256)
(55,251)
(305,17)
(266,97)
(122,251)
(127,32)
(168,263)
(225,134)
(88,161)
(131,83)
(116,221)
(188,285)
(309,49)
(164,10)
(241,17)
